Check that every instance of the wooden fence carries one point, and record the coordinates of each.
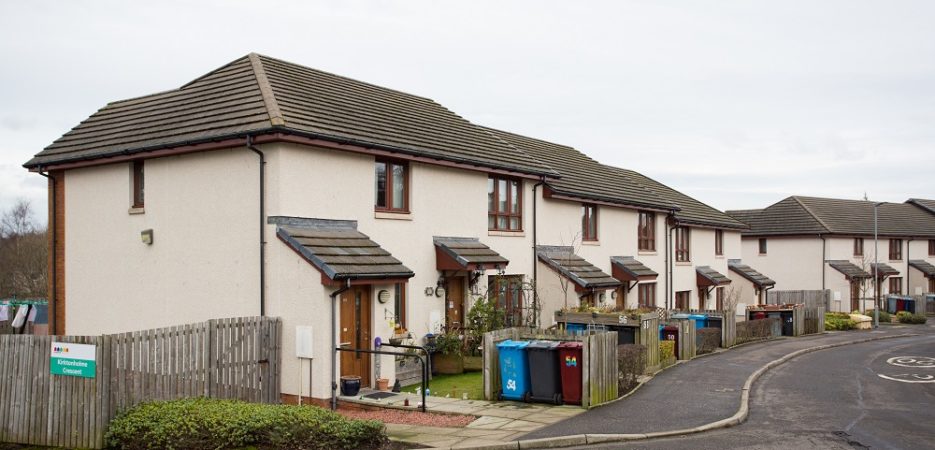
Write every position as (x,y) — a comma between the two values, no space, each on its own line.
(649,338)
(226,358)
(688,343)
(728,323)
(645,329)
(814,320)
(811,299)
(599,376)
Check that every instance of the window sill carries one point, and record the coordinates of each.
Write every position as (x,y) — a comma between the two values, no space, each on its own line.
(392,215)
(647,252)
(718,256)
(133,211)
(506,233)
(596,243)
(761,254)
(683,263)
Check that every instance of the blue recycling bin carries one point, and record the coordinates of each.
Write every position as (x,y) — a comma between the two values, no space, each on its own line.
(576,328)
(514,370)
(910,304)
(698,318)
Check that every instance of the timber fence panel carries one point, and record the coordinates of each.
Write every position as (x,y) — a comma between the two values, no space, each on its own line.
(649,338)
(602,365)
(38,408)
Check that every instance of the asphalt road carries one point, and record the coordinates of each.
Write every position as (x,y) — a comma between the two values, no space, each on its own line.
(855,396)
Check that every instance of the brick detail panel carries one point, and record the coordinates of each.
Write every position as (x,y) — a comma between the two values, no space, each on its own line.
(56,263)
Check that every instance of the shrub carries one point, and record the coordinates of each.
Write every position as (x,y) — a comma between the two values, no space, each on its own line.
(449,343)
(839,322)
(631,363)
(666,351)
(754,330)
(708,340)
(908,317)
(885,317)
(220,424)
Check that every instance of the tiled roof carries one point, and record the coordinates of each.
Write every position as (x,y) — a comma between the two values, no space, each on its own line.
(338,250)
(884,270)
(750,274)
(575,268)
(924,266)
(586,178)
(469,253)
(849,269)
(812,215)
(256,94)
(928,205)
(709,277)
(627,268)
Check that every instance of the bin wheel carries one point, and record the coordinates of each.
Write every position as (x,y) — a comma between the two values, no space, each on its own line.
(527,397)
(499,395)
(557,399)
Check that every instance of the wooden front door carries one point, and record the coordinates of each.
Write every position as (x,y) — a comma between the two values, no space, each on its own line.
(454,304)
(356,332)
(855,296)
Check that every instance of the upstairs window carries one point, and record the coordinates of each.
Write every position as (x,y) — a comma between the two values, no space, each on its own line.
(858,246)
(504,204)
(762,246)
(719,242)
(138,184)
(589,222)
(682,244)
(391,187)
(896,249)
(646,231)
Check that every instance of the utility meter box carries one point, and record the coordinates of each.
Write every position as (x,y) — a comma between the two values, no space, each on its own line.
(303,342)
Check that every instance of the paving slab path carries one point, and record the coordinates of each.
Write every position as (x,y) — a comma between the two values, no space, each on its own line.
(694,393)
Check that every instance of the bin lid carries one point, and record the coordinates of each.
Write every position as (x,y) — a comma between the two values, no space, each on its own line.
(697,316)
(570,344)
(681,316)
(512,344)
(670,328)
(542,345)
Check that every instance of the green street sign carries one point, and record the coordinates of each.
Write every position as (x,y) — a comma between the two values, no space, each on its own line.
(74,360)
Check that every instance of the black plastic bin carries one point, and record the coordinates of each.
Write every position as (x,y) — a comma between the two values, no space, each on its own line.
(714,322)
(788,327)
(546,385)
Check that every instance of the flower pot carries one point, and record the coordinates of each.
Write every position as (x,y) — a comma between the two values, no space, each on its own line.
(350,385)
(448,364)
(383,384)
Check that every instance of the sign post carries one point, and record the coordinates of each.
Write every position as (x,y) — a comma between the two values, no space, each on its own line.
(75,360)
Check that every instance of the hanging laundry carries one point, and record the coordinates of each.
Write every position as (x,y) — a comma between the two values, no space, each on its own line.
(20,319)
(42,314)
(32,314)
(4,312)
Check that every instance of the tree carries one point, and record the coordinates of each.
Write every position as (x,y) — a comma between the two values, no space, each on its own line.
(23,253)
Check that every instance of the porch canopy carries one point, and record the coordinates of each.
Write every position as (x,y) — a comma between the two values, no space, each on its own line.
(709,277)
(339,251)
(630,271)
(883,270)
(850,270)
(758,279)
(465,253)
(923,266)
(583,274)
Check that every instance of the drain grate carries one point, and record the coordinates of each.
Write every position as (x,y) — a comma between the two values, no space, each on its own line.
(379,395)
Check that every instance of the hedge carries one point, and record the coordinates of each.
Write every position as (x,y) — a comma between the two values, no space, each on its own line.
(631,363)
(203,423)
(908,317)
(839,322)
(755,330)
(708,340)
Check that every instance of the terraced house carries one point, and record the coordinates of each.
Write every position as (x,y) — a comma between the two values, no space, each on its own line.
(820,243)
(265,187)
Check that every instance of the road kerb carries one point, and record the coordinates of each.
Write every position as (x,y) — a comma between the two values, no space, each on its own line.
(736,419)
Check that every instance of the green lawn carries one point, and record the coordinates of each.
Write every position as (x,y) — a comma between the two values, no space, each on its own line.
(455,385)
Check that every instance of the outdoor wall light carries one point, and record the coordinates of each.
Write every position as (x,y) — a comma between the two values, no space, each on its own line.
(383,296)
(147,236)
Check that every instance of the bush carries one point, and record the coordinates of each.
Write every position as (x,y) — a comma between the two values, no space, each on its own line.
(839,322)
(754,330)
(666,351)
(885,317)
(708,340)
(449,343)
(631,363)
(219,424)
(908,317)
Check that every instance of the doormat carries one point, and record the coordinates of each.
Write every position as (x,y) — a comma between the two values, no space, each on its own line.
(379,395)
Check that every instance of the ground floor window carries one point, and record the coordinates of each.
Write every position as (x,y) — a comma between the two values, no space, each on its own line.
(400,304)
(931,285)
(681,300)
(719,299)
(896,285)
(508,290)
(647,295)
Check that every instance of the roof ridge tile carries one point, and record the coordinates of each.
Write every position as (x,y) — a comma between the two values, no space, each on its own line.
(266,91)
(811,213)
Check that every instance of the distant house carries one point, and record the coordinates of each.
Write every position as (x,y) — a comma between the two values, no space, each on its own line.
(820,243)
(269,188)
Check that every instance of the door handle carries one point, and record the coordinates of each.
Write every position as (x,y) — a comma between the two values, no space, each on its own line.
(344,344)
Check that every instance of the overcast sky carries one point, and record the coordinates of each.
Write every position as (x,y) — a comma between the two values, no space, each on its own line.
(736,103)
